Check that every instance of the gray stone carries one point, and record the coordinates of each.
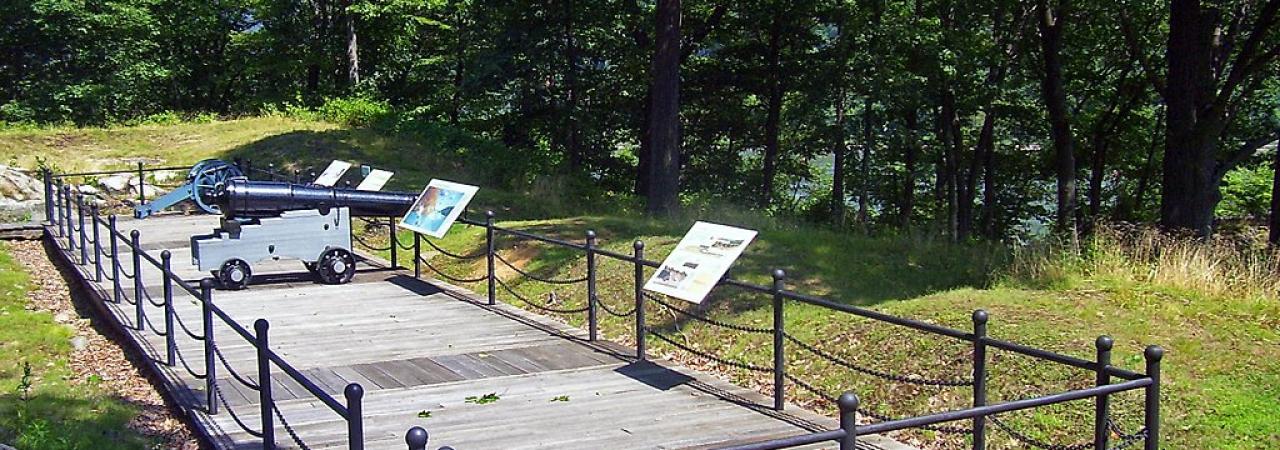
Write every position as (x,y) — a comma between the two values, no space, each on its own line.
(62,317)
(79,343)
(117,183)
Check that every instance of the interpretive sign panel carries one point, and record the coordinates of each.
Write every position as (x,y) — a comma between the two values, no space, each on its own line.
(375,180)
(333,173)
(699,261)
(438,206)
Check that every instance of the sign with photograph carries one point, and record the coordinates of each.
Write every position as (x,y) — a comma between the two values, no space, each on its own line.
(333,173)
(438,206)
(699,261)
(375,180)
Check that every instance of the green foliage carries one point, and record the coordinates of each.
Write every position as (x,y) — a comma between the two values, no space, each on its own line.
(424,414)
(353,111)
(483,399)
(1246,192)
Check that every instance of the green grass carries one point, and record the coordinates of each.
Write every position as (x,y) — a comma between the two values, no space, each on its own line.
(1222,370)
(51,409)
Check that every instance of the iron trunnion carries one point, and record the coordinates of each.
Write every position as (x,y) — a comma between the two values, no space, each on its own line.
(270,220)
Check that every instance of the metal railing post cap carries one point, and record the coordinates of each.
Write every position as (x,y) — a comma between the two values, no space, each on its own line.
(779,274)
(353,391)
(848,402)
(416,438)
(638,245)
(488,214)
(261,326)
(134,234)
(207,283)
(980,317)
(164,254)
(1104,343)
(1153,353)
(591,235)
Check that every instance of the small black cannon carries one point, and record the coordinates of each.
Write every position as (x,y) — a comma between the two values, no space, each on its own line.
(271,220)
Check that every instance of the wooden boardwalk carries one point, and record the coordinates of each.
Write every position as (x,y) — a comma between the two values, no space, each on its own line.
(422,345)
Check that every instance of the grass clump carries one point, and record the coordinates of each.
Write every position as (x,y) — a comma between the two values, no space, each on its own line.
(42,404)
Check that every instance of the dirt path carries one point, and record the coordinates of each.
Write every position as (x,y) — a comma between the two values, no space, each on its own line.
(98,355)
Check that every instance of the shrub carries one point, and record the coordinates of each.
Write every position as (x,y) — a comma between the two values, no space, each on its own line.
(1246,192)
(353,111)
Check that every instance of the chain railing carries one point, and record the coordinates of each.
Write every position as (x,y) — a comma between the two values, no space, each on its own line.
(978,415)
(68,219)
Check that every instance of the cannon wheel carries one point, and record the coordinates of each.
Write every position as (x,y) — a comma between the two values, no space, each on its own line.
(336,266)
(205,176)
(234,274)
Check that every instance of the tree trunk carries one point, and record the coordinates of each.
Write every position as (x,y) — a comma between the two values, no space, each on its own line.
(990,192)
(664,179)
(838,152)
(950,152)
(353,51)
(908,206)
(1200,95)
(1273,222)
(459,69)
(969,189)
(1055,98)
(864,160)
(774,116)
(644,154)
(571,90)
(1187,192)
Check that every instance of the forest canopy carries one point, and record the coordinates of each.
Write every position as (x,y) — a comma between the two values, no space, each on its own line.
(971,118)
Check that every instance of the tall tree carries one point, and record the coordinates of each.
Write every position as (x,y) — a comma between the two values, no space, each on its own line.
(1215,55)
(664,112)
(1052,22)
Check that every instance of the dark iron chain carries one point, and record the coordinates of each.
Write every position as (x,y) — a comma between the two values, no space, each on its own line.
(289,428)
(451,254)
(244,381)
(535,305)
(886,375)
(1033,442)
(872,414)
(709,320)
(447,276)
(227,407)
(535,277)
(705,355)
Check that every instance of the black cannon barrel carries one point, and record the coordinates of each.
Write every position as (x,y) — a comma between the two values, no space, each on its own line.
(244,198)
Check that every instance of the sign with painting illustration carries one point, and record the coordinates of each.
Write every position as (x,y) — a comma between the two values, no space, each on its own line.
(698,262)
(439,205)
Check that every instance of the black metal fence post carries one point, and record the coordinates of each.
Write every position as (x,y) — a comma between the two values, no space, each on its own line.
(170,338)
(138,301)
(355,416)
(638,248)
(142,185)
(1153,355)
(97,245)
(66,217)
(1101,432)
(593,324)
(779,357)
(416,438)
(84,235)
(47,175)
(58,210)
(417,255)
(488,242)
(394,240)
(210,369)
(848,403)
(115,258)
(265,402)
(980,319)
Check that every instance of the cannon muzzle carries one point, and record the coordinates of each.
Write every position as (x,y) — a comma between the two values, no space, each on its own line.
(242,198)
